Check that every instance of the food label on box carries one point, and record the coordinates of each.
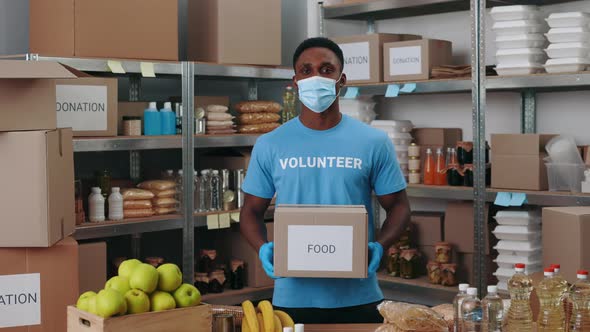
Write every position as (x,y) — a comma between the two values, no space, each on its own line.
(357,63)
(81,107)
(405,60)
(20,300)
(320,248)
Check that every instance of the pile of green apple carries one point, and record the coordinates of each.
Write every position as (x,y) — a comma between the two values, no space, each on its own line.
(140,288)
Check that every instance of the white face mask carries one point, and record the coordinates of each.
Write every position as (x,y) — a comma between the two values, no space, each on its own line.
(317,93)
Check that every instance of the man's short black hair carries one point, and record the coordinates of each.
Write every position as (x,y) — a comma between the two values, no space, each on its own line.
(319,42)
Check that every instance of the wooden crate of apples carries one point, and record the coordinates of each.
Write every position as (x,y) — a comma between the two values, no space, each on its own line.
(142,298)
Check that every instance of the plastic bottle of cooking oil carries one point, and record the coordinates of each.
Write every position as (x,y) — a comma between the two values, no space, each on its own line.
(472,312)
(567,305)
(580,296)
(551,313)
(457,306)
(493,311)
(520,316)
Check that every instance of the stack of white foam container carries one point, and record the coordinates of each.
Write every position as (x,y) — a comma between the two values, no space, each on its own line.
(569,36)
(519,233)
(399,133)
(519,39)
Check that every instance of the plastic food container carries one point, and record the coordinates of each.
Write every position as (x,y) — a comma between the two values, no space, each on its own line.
(518,218)
(518,233)
(568,50)
(568,20)
(533,40)
(504,28)
(565,177)
(402,154)
(568,35)
(518,248)
(567,65)
(403,148)
(511,13)
(520,69)
(400,138)
(400,126)
(517,56)
(509,261)
(504,274)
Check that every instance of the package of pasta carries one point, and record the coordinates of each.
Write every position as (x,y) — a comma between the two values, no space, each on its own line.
(217,109)
(164,193)
(164,210)
(137,204)
(256,118)
(157,185)
(257,106)
(138,213)
(412,317)
(132,194)
(165,202)
(257,128)
(218,116)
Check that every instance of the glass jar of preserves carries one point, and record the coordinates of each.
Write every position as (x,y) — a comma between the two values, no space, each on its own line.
(237,274)
(217,281)
(414,150)
(202,282)
(207,260)
(409,261)
(442,252)
(448,274)
(434,272)
(465,153)
(468,175)
(393,261)
(404,240)
(455,175)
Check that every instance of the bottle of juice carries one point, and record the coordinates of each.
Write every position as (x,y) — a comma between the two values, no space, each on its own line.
(551,314)
(580,296)
(457,302)
(429,168)
(472,312)
(493,311)
(520,315)
(440,177)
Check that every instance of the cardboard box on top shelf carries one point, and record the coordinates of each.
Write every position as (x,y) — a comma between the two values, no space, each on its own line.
(320,241)
(565,234)
(232,159)
(517,161)
(51,27)
(38,168)
(236,32)
(363,55)
(459,227)
(427,228)
(92,266)
(330,3)
(413,60)
(44,281)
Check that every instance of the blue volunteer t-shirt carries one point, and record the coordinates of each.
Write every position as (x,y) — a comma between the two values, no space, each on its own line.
(338,166)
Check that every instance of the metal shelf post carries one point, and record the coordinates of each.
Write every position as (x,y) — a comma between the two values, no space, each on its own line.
(528,115)
(188,161)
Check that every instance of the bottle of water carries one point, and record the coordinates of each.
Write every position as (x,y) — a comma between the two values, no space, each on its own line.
(472,312)
(289,104)
(520,315)
(204,191)
(215,191)
(580,296)
(197,198)
(457,306)
(493,311)
(551,314)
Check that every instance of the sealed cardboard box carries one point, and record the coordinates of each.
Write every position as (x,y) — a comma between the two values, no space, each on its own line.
(51,27)
(232,160)
(38,168)
(363,55)
(27,94)
(327,241)
(566,231)
(427,228)
(517,161)
(43,282)
(413,60)
(459,227)
(92,266)
(443,137)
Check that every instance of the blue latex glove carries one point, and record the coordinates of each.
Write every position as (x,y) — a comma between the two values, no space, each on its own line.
(266,254)
(375,255)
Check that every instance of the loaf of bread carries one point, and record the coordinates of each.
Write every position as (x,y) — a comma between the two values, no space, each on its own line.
(257,118)
(139,213)
(258,106)
(257,128)
(165,202)
(136,194)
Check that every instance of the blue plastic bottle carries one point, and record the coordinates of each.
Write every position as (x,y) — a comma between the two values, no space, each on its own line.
(151,121)
(168,120)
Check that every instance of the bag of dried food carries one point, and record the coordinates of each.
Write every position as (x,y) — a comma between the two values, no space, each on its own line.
(157,185)
(405,317)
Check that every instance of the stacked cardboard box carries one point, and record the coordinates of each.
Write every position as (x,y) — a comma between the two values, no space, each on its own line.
(414,59)
(40,260)
(435,138)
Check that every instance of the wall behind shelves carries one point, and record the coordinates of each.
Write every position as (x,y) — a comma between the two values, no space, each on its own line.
(14,34)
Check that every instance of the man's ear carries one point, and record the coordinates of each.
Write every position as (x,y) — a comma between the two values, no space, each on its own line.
(295,83)
(343,80)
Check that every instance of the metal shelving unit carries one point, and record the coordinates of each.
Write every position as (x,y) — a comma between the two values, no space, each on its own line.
(89,231)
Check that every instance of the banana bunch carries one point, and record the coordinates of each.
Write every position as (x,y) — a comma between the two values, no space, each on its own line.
(264,318)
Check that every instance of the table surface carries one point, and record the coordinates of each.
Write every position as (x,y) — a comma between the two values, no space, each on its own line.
(342,327)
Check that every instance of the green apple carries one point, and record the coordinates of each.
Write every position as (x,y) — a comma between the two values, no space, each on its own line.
(160,301)
(170,277)
(118,283)
(137,302)
(144,277)
(187,295)
(92,305)
(84,299)
(109,303)
(127,267)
